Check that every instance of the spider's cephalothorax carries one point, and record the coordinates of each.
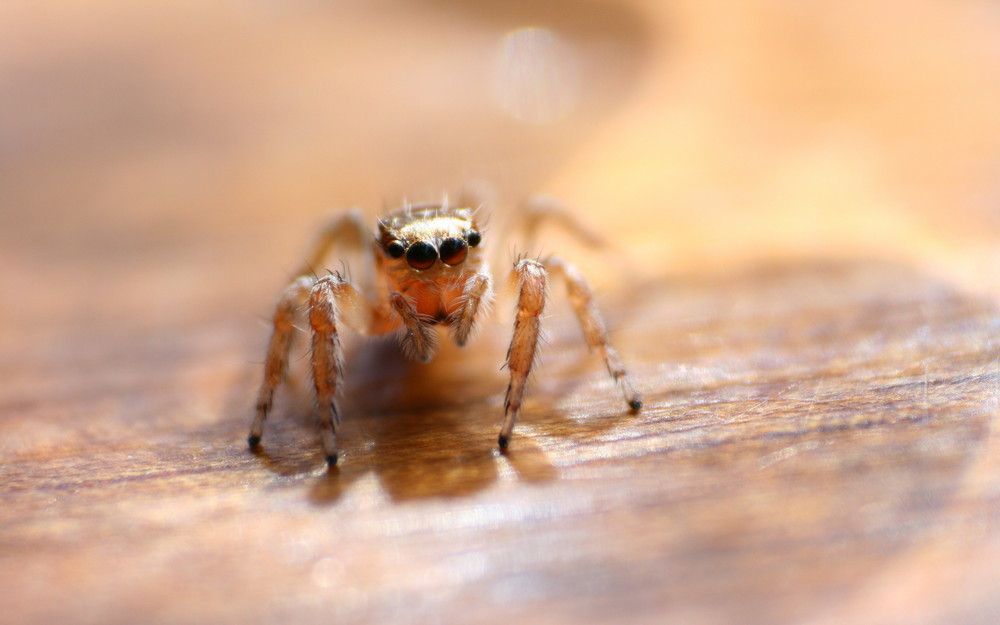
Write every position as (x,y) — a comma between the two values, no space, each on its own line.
(427,254)
(432,271)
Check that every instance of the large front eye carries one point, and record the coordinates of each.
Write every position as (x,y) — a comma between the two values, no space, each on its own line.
(453,251)
(421,255)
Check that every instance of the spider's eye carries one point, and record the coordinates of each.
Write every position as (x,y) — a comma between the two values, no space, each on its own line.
(474,238)
(395,249)
(421,255)
(453,251)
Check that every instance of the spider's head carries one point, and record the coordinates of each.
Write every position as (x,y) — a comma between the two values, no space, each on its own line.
(428,235)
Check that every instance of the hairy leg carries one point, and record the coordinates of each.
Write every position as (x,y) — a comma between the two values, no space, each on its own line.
(581,297)
(327,357)
(331,297)
(277,351)
(327,298)
(531,277)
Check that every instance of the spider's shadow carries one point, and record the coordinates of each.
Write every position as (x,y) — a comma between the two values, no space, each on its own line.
(425,430)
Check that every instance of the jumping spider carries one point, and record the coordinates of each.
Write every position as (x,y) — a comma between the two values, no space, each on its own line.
(432,271)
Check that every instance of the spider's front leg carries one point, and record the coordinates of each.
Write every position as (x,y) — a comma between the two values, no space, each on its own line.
(328,298)
(327,357)
(532,277)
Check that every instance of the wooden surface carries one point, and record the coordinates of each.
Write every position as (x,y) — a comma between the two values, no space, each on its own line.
(803,284)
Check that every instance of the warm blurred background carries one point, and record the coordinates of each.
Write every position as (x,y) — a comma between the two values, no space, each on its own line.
(162,165)
(697,133)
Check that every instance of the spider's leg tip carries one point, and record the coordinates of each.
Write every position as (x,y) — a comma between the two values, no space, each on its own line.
(503,442)
(635,404)
(331,460)
(253,441)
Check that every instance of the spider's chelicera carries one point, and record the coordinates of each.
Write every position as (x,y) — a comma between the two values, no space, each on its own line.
(431,272)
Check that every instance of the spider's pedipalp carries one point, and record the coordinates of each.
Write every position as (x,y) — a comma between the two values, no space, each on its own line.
(420,341)
(476,297)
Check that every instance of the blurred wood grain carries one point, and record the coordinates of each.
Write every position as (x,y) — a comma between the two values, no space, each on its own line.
(802,280)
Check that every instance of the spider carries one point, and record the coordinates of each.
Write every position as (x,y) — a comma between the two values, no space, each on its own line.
(432,272)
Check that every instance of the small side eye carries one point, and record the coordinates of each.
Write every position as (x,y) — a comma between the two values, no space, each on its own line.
(421,255)
(395,249)
(474,238)
(453,251)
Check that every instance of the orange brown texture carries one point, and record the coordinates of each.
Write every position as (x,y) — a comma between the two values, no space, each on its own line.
(801,201)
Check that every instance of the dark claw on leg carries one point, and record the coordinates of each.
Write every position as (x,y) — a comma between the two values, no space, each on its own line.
(331,461)
(503,441)
(253,441)
(635,405)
